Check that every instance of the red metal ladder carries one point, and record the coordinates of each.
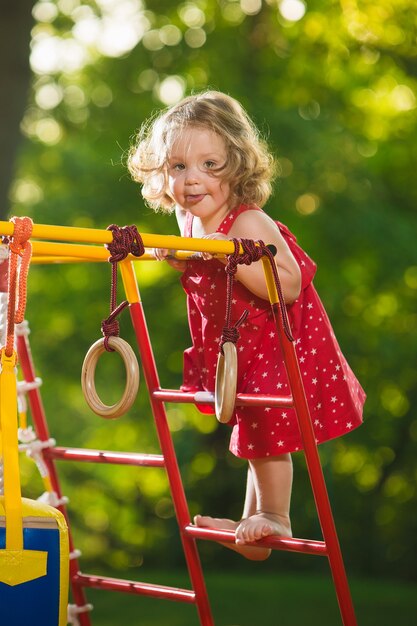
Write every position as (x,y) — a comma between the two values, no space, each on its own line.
(189,533)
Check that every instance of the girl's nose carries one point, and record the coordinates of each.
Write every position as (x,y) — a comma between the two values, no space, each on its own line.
(192,175)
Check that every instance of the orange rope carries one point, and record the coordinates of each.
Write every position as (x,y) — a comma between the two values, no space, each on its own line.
(19,245)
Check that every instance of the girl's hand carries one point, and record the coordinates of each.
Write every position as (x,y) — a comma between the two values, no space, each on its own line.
(161,253)
(218,236)
(164,254)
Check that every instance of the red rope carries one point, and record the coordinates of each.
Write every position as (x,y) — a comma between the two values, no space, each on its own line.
(252,251)
(126,240)
(283,309)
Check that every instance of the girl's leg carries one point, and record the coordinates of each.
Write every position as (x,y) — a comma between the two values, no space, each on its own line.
(271,484)
(249,509)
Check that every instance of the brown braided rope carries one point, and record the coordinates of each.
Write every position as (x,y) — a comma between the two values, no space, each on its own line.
(126,240)
(252,252)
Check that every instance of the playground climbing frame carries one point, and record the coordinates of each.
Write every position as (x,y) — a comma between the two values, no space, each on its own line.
(59,244)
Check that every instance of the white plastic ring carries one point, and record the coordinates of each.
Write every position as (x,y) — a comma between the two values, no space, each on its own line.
(226,382)
(132,378)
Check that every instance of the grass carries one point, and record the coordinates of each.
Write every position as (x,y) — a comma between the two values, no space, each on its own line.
(261,599)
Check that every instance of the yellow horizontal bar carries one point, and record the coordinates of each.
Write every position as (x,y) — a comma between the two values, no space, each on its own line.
(62,233)
(56,259)
(96,236)
(53,252)
(60,260)
(48,248)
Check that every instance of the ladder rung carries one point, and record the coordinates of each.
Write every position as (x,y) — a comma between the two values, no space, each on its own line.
(306,546)
(138,588)
(207,397)
(105,456)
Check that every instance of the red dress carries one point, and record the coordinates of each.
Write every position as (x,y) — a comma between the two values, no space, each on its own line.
(334,395)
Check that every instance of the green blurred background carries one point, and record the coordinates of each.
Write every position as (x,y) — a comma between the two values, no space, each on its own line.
(333,85)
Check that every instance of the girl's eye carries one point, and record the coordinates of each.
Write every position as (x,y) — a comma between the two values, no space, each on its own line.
(178,167)
(210,165)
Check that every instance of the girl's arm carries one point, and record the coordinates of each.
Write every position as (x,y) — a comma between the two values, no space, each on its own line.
(257,225)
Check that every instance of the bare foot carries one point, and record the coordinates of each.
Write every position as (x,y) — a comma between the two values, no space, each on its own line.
(262,525)
(249,552)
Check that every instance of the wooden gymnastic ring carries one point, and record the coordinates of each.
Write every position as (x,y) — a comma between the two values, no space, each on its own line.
(226,382)
(132,378)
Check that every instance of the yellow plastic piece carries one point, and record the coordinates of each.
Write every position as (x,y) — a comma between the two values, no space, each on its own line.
(270,281)
(8,419)
(129,282)
(23,420)
(35,512)
(35,509)
(47,484)
(21,566)
(16,564)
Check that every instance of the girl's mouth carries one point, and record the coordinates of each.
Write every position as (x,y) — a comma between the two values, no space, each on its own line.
(194,198)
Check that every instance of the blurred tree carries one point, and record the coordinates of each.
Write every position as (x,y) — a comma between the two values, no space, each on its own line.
(333,85)
(15,26)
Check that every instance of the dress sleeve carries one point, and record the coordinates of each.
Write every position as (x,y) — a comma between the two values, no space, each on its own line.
(307,266)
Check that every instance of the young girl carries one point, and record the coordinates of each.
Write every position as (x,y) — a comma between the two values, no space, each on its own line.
(203,158)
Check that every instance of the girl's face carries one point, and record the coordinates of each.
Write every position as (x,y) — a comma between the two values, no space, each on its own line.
(194,158)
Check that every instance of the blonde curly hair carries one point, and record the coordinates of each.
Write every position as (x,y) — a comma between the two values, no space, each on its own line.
(249,169)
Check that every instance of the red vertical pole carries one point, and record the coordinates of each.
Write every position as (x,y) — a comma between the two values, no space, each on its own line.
(173,472)
(319,487)
(315,471)
(42,432)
